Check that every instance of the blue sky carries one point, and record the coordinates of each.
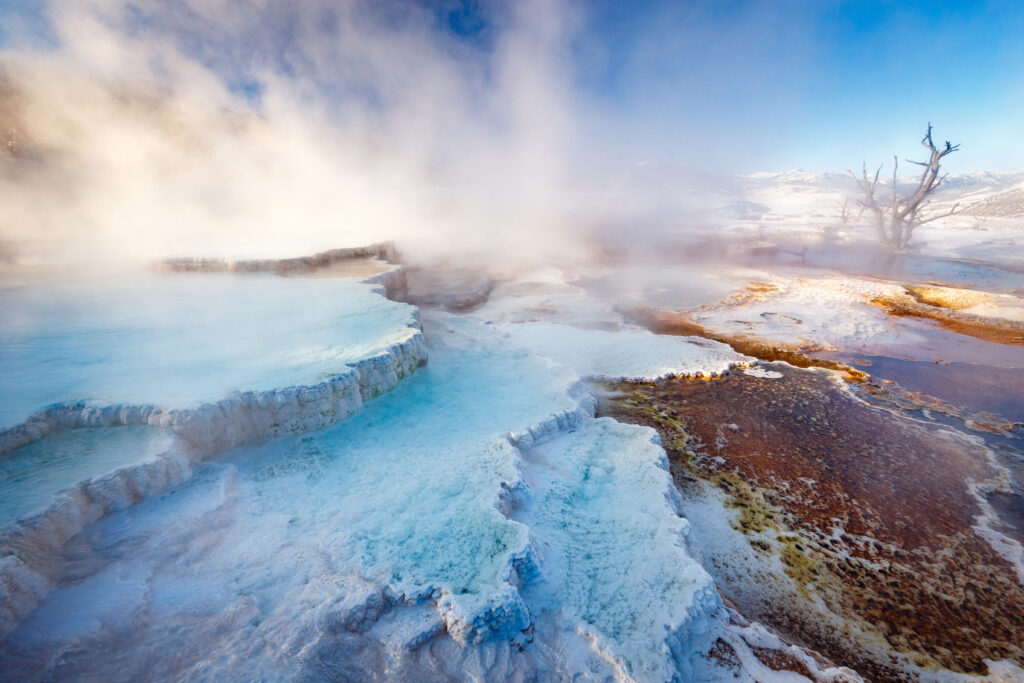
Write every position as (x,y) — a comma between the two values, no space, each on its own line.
(811,84)
(741,86)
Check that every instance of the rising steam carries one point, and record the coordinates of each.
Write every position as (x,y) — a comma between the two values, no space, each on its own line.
(273,128)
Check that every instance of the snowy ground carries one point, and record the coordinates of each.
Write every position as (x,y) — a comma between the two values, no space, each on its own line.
(475,509)
(474,520)
(478,495)
(823,312)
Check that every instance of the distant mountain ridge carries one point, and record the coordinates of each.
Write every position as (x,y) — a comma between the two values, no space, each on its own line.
(979,193)
(1006,204)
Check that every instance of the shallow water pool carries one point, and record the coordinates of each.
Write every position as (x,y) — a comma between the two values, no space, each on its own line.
(32,475)
(178,340)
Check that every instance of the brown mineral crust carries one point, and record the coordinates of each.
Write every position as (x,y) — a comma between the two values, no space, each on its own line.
(777,660)
(918,306)
(668,322)
(907,565)
(724,653)
(350,268)
(385,251)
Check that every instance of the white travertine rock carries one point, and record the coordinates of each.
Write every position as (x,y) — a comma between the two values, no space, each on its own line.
(477,521)
(203,431)
(121,340)
(628,353)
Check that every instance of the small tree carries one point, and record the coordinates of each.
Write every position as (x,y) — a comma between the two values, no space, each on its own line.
(846,213)
(896,218)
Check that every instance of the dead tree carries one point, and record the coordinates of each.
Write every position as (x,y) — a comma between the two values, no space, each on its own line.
(897,216)
(847,214)
(844,212)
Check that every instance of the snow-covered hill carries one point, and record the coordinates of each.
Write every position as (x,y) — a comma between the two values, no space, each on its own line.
(1005,203)
(980,193)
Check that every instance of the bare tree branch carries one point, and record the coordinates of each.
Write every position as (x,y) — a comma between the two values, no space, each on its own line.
(951,212)
(895,222)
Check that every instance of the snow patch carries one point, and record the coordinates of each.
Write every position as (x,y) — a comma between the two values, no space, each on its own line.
(827,313)
(762,373)
(629,353)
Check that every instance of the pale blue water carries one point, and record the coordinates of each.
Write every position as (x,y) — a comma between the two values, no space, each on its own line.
(32,475)
(178,340)
(916,268)
(247,570)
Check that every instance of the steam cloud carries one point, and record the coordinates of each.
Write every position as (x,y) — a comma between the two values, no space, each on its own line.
(214,127)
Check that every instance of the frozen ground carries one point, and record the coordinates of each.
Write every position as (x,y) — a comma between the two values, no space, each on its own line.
(837,314)
(574,319)
(826,312)
(473,509)
(796,215)
(629,353)
(475,522)
(179,340)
